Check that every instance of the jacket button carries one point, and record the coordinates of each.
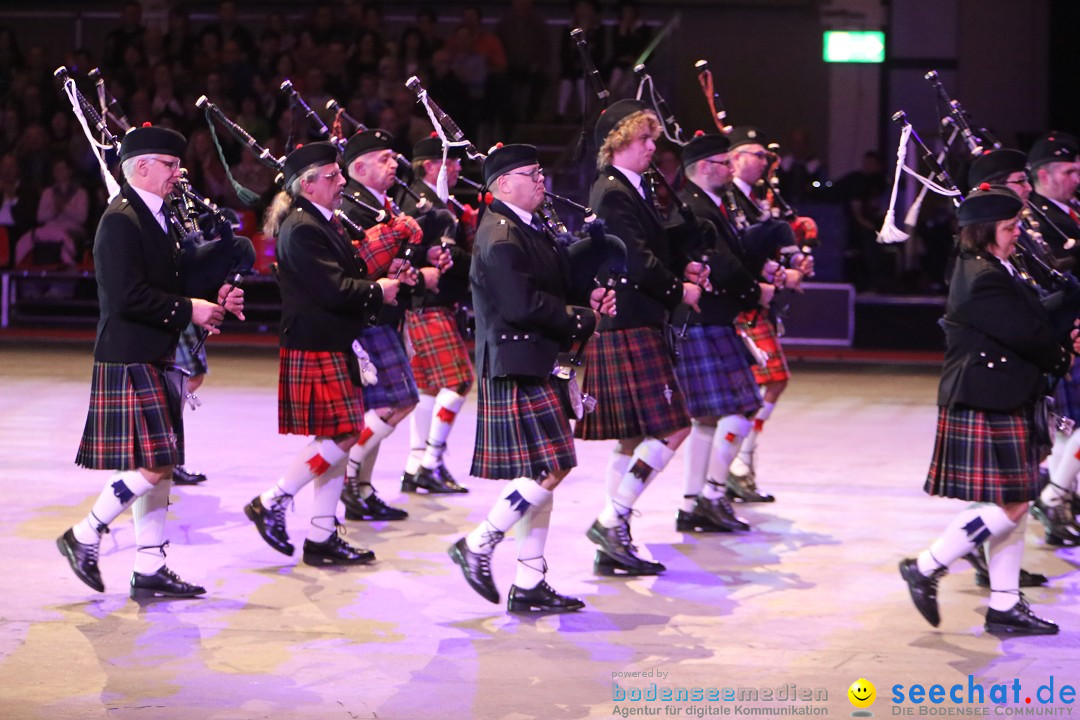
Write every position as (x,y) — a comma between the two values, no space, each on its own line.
(990,364)
(1003,359)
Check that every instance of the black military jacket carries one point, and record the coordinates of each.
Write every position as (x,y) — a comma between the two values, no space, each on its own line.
(1058,231)
(436,222)
(999,341)
(326,298)
(522,295)
(140,284)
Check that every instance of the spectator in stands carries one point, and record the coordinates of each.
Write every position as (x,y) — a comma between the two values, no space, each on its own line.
(571,75)
(11,58)
(178,42)
(628,40)
(427,22)
(229,27)
(525,37)
(17,206)
(863,192)
(60,234)
(130,33)
(414,55)
(165,99)
(35,156)
(450,91)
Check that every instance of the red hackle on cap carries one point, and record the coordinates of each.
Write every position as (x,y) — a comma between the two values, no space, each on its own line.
(984,186)
(146,124)
(699,133)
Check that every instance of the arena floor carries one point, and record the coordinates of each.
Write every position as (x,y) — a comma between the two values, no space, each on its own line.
(805,604)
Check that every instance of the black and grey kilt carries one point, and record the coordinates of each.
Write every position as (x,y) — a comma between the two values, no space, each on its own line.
(129,424)
(521,429)
(984,456)
(1067,394)
(316,394)
(713,369)
(396,387)
(630,374)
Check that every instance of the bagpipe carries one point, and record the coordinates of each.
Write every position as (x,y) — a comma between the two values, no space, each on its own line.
(212,255)
(597,258)
(1032,258)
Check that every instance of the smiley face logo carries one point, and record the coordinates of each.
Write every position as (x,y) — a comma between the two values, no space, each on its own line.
(862,693)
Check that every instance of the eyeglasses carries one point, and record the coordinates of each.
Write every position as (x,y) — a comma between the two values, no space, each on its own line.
(332,175)
(533,174)
(760,154)
(173,165)
(1023,180)
(719,162)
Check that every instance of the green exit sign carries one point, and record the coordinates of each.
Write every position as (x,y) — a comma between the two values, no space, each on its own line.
(854,46)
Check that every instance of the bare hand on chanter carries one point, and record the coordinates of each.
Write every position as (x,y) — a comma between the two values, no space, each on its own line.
(390,289)
(207,315)
(232,298)
(602,300)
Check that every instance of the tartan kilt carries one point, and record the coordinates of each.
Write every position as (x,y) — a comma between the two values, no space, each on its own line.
(984,456)
(630,374)
(764,336)
(522,429)
(316,395)
(129,424)
(396,386)
(1067,394)
(713,369)
(440,359)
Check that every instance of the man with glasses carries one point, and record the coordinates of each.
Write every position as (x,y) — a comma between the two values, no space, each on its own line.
(526,314)
(134,424)
(750,163)
(326,299)
(712,364)
(628,366)
(1055,173)
(390,237)
(440,362)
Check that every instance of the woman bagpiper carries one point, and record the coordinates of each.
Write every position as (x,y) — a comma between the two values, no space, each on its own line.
(1000,344)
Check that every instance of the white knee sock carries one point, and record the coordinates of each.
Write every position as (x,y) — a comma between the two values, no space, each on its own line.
(519,496)
(119,493)
(375,429)
(1004,553)
(419,429)
(616,468)
(1063,471)
(531,533)
(744,461)
(149,512)
(319,457)
(649,458)
(968,530)
(730,432)
(447,406)
(698,450)
(324,505)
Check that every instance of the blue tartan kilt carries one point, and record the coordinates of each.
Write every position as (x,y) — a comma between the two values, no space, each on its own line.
(521,429)
(714,372)
(984,456)
(129,424)
(630,374)
(396,387)
(1067,394)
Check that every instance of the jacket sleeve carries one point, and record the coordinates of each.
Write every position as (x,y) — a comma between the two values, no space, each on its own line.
(120,261)
(322,277)
(995,308)
(643,267)
(522,303)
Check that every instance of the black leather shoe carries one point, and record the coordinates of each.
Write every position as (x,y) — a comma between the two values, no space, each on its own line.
(744,487)
(448,480)
(162,584)
(371,508)
(1018,620)
(687,522)
(721,513)
(541,598)
(619,555)
(923,589)
(429,481)
(180,476)
(335,551)
(82,558)
(476,568)
(982,573)
(270,522)
(1058,521)
(607,566)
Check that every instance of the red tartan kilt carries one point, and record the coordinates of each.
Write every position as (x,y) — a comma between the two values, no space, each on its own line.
(764,336)
(984,456)
(440,359)
(630,374)
(128,424)
(316,396)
